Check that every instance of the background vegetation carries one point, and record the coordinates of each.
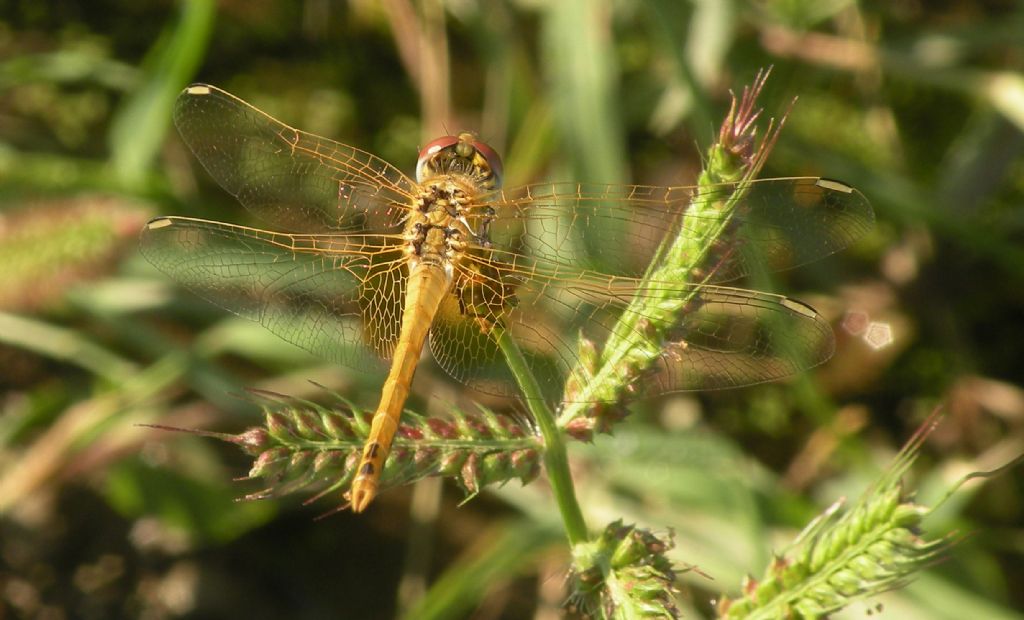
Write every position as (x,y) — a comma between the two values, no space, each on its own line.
(918,104)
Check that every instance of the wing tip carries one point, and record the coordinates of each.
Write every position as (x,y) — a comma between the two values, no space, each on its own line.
(854,202)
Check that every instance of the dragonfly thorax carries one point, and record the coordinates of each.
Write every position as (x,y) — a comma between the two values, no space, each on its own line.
(441,224)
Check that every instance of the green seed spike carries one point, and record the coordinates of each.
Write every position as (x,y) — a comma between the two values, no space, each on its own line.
(842,556)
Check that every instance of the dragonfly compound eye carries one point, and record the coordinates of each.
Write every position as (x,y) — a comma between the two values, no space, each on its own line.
(493,160)
(462,154)
(426,164)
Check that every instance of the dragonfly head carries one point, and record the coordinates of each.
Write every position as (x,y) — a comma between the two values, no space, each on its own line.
(462,154)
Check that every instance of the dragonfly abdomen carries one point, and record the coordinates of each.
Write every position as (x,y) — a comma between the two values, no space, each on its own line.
(428,284)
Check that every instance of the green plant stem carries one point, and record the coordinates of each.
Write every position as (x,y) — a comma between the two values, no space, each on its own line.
(556,459)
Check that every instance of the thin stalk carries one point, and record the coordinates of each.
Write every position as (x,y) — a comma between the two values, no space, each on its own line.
(556,459)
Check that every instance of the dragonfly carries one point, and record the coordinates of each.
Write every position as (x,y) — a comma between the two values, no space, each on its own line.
(361,264)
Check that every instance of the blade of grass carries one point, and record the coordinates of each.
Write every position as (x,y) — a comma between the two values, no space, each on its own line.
(582,80)
(139,129)
(65,345)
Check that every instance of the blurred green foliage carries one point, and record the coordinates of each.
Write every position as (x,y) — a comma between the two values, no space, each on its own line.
(918,104)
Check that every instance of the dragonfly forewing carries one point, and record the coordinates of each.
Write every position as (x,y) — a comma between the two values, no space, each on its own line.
(291,179)
(618,229)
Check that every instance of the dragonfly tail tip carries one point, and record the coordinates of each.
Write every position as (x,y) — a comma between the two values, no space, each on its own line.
(361,497)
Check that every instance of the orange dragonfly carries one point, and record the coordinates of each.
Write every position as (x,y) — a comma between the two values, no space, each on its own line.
(367,264)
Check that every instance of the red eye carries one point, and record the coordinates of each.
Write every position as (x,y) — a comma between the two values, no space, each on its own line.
(463,147)
(492,158)
(434,146)
(429,150)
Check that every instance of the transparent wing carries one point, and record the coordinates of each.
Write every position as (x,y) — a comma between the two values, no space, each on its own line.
(566,261)
(616,229)
(294,180)
(336,296)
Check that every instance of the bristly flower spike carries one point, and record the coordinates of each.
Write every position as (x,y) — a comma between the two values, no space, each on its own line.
(637,340)
(303,444)
(842,556)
